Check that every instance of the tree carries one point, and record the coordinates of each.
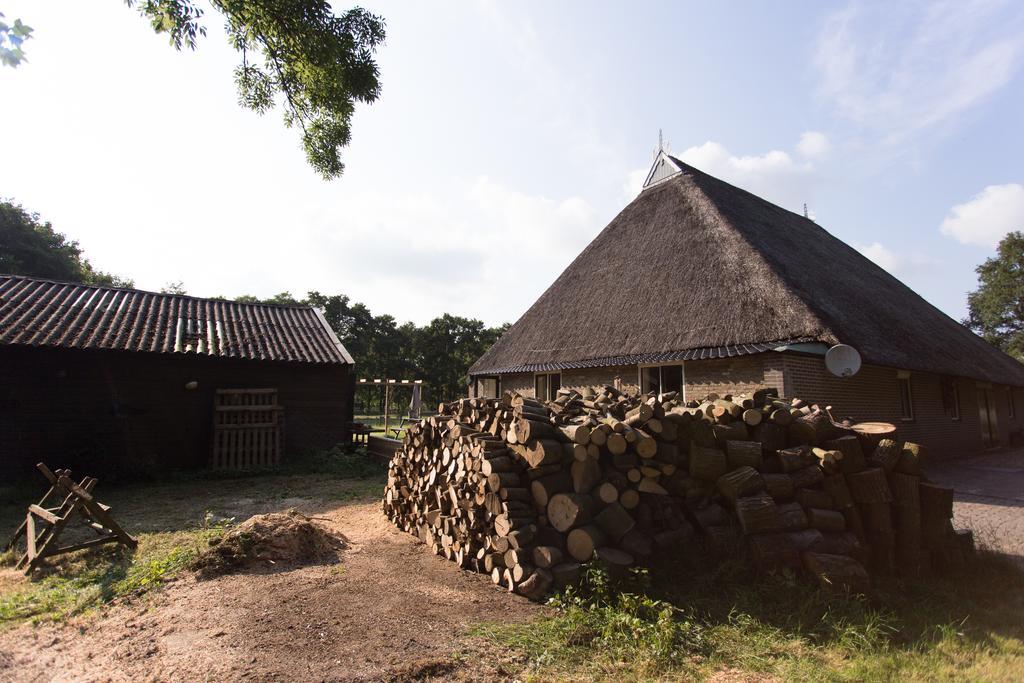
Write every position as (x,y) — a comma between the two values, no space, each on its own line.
(996,308)
(12,37)
(28,246)
(298,50)
(439,353)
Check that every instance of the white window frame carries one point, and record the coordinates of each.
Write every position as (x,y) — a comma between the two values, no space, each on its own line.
(642,366)
(904,376)
(551,395)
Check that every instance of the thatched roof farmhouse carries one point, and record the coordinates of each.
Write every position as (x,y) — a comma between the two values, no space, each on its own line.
(701,286)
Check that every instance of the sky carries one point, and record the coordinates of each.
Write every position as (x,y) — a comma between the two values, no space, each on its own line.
(508,135)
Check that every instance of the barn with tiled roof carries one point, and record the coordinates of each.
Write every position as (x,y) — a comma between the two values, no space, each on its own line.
(106,379)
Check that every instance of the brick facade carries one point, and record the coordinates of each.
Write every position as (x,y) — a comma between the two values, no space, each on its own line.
(871,395)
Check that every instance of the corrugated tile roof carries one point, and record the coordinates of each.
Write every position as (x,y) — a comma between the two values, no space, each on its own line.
(705,353)
(38,312)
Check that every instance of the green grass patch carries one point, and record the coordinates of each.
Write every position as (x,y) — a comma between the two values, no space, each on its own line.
(694,622)
(78,582)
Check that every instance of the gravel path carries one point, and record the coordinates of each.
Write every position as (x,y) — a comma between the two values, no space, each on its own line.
(989,497)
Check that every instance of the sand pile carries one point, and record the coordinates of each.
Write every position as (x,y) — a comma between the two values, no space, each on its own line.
(287,538)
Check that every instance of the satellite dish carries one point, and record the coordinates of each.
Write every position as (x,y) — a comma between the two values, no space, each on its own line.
(842,360)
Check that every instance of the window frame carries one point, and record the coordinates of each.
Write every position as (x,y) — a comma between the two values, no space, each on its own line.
(485,378)
(551,394)
(661,380)
(907,415)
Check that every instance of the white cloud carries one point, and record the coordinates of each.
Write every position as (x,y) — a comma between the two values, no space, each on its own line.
(634,183)
(897,264)
(988,216)
(813,145)
(774,175)
(899,68)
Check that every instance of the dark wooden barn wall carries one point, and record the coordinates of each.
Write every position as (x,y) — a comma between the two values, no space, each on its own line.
(129,414)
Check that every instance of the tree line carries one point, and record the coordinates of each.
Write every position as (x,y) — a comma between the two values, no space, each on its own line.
(439,353)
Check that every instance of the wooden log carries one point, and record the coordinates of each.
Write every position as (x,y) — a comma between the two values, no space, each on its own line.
(547,556)
(753,416)
(499,464)
(616,444)
(837,572)
(529,429)
(607,493)
(771,436)
(498,480)
(886,455)
(637,543)
(544,488)
(566,573)
(540,452)
(521,538)
(869,486)
(778,486)
(651,485)
(853,455)
(936,501)
(615,521)
(707,463)
(793,459)
(807,477)
(792,516)
(877,518)
(836,487)
(583,541)
(579,434)
(629,499)
(905,490)
(871,433)
(645,446)
(743,481)
(536,585)
(568,510)
(617,561)
(814,498)
(744,453)
(912,459)
(773,551)
(825,520)
(758,514)
(585,475)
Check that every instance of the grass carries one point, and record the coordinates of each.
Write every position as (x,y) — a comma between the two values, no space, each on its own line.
(173,520)
(76,583)
(699,623)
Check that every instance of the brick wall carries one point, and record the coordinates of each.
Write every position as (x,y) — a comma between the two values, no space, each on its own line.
(741,375)
(103,412)
(873,394)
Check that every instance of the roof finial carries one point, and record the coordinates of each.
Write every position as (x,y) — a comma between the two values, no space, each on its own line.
(805,210)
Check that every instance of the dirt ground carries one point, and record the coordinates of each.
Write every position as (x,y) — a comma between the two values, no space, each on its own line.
(387,611)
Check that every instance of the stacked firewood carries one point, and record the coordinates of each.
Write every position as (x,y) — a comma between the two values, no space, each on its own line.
(527,491)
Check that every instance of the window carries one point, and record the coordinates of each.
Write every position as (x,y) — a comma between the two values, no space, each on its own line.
(488,387)
(906,398)
(1012,408)
(661,379)
(950,397)
(546,385)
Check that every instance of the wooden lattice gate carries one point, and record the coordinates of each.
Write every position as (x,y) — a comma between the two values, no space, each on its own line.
(248,429)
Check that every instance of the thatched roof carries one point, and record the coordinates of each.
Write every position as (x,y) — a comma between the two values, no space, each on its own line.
(695,263)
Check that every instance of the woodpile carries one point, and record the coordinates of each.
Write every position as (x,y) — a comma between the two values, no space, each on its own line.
(527,492)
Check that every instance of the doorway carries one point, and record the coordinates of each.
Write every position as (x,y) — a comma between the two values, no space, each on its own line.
(987,416)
